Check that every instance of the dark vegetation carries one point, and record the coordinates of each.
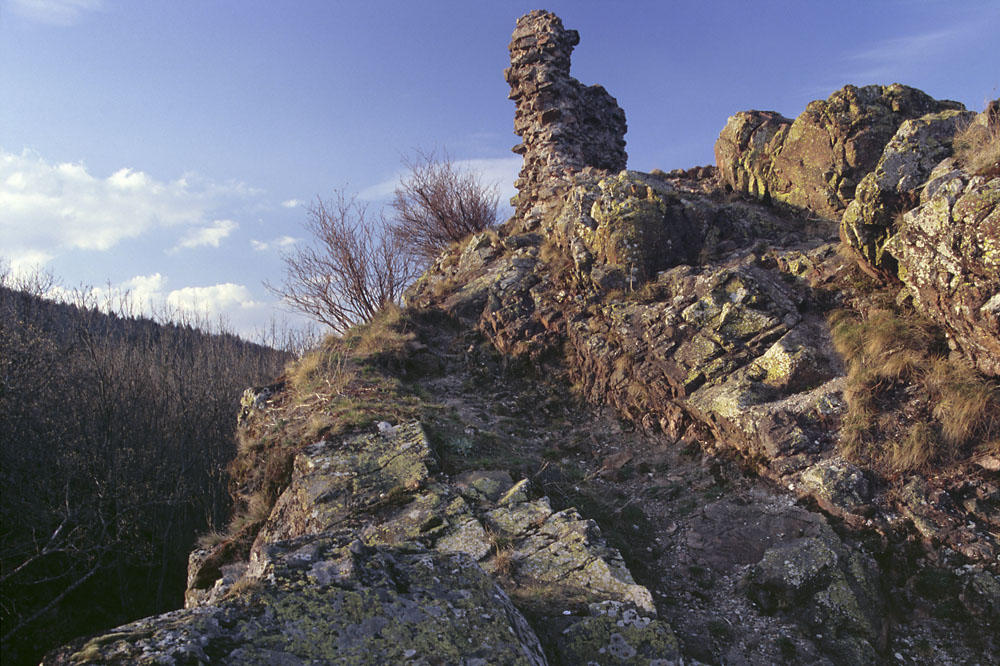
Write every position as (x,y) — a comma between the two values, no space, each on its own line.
(115,434)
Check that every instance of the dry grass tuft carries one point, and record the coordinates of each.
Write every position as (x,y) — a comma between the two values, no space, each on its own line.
(243,587)
(889,350)
(977,148)
(917,448)
(210,539)
(968,405)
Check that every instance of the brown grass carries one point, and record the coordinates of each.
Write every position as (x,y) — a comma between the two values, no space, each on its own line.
(892,349)
(968,405)
(243,587)
(503,552)
(917,449)
(210,539)
(977,149)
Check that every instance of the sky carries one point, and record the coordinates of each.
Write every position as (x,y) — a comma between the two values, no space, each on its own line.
(170,148)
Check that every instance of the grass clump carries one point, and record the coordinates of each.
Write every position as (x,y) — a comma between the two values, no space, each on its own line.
(910,405)
(977,147)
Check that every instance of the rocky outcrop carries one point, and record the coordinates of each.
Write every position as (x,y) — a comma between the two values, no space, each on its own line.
(746,147)
(834,590)
(701,319)
(894,186)
(564,126)
(330,599)
(948,251)
(817,161)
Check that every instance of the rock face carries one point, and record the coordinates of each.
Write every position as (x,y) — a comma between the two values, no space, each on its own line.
(564,125)
(817,161)
(745,150)
(949,256)
(893,187)
(329,599)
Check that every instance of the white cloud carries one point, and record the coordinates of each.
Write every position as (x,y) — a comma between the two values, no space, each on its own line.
(50,209)
(142,294)
(292,203)
(280,242)
(211,235)
(55,12)
(229,304)
(215,299)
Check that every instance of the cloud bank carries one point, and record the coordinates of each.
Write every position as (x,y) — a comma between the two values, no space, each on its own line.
(50,209)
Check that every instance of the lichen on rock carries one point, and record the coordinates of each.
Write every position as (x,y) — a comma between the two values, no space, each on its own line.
(818,160)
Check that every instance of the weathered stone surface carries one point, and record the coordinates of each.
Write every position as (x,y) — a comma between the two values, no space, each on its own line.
(838,486)
(893,187)
(337,482)
(327,599)
(564,125)
(948,251)
(564,548)
(817,161)
(745,149)
(831,590)
(616,633)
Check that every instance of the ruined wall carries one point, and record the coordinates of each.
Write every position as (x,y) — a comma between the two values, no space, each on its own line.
(565,126)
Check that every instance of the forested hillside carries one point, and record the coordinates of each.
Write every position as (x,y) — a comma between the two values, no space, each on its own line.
(115,435)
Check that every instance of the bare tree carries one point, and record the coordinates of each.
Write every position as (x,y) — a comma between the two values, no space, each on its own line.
(356,266)
(439,203)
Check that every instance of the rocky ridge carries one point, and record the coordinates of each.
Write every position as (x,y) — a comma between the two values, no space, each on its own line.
(738,528)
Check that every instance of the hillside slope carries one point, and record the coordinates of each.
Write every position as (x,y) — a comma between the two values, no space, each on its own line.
(652,419)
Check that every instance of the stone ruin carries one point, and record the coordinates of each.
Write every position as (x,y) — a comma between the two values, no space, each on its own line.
(564,125)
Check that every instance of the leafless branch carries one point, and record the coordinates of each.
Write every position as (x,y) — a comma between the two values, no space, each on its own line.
(439,203)
(355,267)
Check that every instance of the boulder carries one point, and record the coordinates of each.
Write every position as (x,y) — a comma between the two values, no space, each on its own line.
(831,590)
(746,147)
(894,186)
(817,161)
(948,251)
(329,599)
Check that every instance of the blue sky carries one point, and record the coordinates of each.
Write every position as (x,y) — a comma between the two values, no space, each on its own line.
(168,147)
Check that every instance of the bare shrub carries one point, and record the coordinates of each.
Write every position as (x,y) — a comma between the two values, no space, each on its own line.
(356,266)
(439,203)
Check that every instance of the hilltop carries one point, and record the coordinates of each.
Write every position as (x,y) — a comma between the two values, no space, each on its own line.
(741,413)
